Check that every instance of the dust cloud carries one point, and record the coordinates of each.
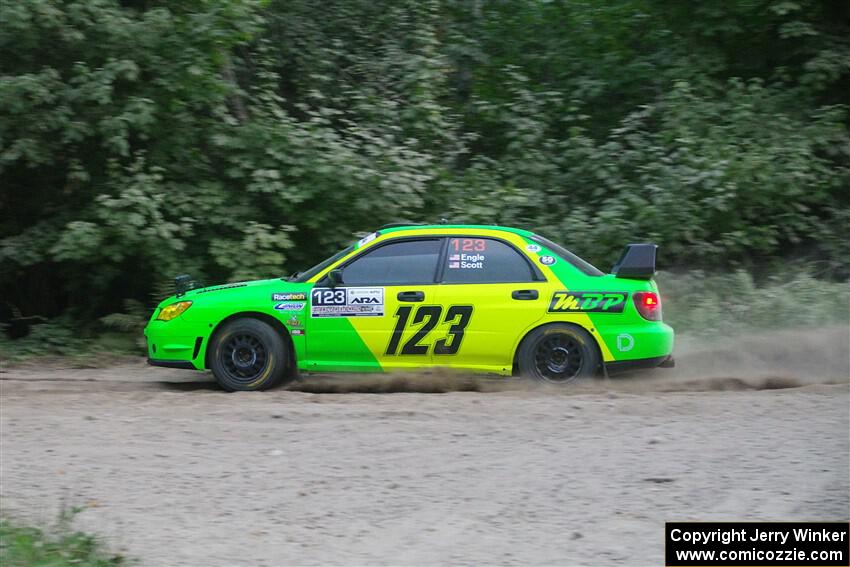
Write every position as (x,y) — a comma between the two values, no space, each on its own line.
(764,361)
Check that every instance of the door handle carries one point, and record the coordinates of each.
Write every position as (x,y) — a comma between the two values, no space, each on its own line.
(411,296)
(525,294)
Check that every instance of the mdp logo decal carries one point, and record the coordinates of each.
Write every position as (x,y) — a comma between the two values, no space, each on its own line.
(588,302)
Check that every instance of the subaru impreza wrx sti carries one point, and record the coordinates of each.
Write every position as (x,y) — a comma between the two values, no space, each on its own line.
(475,298)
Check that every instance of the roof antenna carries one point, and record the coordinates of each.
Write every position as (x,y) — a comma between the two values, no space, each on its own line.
(444,221)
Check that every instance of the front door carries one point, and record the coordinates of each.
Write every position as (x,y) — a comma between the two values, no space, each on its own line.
(382,315)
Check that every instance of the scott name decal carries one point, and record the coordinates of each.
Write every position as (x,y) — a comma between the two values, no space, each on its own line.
(588,302)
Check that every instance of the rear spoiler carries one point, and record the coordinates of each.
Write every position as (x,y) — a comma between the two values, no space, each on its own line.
(637,262)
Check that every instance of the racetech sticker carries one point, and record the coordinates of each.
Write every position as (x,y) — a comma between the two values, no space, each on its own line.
(588,301)
(347,302)
(296,296)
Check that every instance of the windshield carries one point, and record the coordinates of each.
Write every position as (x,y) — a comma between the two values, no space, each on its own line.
(584,266)
(302,277)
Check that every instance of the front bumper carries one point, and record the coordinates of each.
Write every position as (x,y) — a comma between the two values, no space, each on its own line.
(174,344)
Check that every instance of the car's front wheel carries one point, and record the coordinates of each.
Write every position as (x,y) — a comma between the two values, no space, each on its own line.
(558,354)
(248,354)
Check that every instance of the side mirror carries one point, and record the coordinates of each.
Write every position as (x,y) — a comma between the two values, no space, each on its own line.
(334,278)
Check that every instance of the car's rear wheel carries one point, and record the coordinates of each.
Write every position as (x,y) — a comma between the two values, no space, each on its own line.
(248,354)
(558,354)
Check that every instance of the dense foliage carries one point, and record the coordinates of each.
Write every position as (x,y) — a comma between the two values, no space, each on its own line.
(237,139)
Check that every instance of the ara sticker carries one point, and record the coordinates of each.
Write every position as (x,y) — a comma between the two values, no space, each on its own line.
(533,248)
(297,296)
(290,306)
(588,302)
(347,302)
(547,260)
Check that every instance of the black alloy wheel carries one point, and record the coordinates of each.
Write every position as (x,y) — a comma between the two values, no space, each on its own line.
(244,357)
(558,358)
(558,353)
(248,354)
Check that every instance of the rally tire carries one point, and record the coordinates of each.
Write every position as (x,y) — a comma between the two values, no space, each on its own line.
(558,354)
(248,355)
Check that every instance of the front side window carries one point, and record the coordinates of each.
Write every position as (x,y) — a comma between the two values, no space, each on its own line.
(397,263)
(484,260)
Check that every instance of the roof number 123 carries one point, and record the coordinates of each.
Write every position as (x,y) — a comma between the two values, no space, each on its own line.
(428,316)
(468,244)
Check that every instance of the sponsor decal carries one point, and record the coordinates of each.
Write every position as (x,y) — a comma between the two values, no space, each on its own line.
(367,239)
(299,296)
(290,306)
(625,342)
(588,302)
(547,260)
(293,321)
(296,332)
(533,248)
(347,302)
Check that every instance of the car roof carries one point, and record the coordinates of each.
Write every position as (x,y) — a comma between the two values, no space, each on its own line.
(400,228)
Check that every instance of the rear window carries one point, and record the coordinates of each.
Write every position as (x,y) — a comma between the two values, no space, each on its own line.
(584,266)
(484,260)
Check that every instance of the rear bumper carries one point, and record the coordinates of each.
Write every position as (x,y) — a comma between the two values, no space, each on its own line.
(184,364)
(619,367)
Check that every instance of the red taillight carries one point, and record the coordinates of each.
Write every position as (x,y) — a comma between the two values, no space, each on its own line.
(648,305)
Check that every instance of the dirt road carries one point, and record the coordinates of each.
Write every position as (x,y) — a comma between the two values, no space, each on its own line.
(179,473)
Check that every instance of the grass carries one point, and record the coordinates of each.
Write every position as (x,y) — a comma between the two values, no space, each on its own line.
(58,341)
(22,545)
(697,303)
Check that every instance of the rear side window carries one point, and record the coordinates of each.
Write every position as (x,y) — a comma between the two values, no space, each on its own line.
(397,263)
(583,265)
(484,260)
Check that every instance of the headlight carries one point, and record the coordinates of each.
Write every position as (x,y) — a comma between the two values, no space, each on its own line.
(173,310)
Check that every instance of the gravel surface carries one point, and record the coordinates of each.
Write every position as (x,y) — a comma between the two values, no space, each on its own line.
(172,471)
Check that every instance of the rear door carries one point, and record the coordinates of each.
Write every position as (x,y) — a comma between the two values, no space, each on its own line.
(382,315)
(491,293)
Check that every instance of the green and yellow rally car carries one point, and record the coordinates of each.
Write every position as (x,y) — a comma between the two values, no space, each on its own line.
(476,298)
